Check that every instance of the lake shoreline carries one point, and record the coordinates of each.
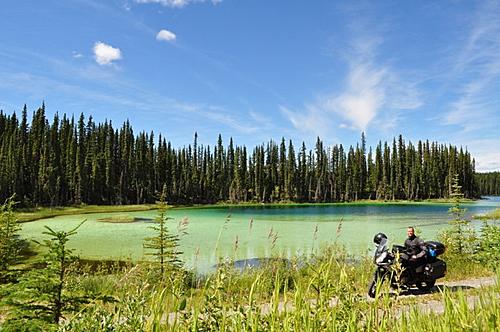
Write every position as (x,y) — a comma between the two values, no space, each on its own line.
(437,201)
(28,215)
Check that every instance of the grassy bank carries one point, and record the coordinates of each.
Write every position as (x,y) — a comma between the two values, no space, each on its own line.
(493,215)
(352,203)
(25,215)
(321,291)
(328,293)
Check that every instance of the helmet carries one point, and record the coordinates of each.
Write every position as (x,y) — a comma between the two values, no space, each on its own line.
(378,238)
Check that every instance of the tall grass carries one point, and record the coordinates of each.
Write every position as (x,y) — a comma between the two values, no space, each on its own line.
(323,290)
(325,293)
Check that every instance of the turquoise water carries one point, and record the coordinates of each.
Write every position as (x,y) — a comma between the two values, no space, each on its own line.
(247,232)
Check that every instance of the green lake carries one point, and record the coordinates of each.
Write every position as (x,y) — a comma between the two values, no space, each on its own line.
(248,232)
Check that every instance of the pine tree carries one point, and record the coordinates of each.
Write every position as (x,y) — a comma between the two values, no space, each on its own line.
(460,238)
(10,242)
(164,245)
(42,296)
(85,162)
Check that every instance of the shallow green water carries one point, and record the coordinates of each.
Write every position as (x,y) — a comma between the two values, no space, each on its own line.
(247,232)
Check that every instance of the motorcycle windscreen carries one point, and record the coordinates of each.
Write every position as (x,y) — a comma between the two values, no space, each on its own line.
(382,247)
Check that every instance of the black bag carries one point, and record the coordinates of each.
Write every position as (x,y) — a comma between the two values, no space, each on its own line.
(436,269)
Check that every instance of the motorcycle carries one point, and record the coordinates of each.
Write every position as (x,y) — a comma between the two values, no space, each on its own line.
(393,266)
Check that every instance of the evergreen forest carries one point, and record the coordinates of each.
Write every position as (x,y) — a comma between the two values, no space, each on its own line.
(69,161)
(488,183)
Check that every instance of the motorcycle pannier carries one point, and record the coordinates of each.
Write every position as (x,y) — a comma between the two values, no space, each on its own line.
(436,269)
(436,247)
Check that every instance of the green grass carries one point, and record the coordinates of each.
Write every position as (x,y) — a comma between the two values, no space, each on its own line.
(288,203)
(327,293)
(276,298)
(25,215)
(122,219)
(492,215)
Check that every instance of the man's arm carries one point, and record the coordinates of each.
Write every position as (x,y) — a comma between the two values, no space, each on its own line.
(422,247)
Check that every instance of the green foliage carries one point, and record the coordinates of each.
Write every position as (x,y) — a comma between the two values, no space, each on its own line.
(131,314)
(164,245)
(488,183)
(42,294)
(70,161)
(488,251)
(460,239)
(328,293)
(492,215)
(463,245)
(10,242)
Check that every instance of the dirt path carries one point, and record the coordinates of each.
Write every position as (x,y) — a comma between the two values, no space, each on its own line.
(437,306)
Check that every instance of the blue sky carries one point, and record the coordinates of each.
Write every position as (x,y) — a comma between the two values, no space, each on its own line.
(258,70)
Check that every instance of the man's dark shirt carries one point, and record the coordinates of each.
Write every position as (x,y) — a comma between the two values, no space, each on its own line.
(415,246)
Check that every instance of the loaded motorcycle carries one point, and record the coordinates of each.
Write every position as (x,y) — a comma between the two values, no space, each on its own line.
(394,266)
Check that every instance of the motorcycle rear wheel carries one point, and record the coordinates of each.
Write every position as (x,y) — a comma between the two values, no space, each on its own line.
(426,285)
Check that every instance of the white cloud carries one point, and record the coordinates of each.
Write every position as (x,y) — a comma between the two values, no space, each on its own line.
(105,54)
(370,88)
(363,97)
(484,151)
(77,55)
(176,3)
(313,119)
(216,114)
(477,67)
(166,35)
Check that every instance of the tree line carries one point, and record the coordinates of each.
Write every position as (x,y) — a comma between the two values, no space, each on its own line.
(488,183)
(73,161)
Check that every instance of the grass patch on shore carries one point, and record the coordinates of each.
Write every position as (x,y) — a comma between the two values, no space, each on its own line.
(26,215)
(492,215)
(285,204)
(122,219)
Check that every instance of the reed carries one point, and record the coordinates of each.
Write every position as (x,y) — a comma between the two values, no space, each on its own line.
(324,293)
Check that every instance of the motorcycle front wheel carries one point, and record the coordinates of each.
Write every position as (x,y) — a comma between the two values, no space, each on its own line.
(372,289)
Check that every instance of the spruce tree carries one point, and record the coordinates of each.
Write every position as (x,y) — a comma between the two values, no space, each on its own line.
(460,238)
(164,245)
(42,296)
(10,242)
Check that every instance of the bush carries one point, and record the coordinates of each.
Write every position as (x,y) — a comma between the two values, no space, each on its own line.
(488,249)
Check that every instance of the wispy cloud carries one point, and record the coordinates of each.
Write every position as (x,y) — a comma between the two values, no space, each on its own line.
(363,96)
(370,88)
(176,3)
(166,35)
(311,120)
(477,68)
(484,151)
(105,54)
(110,90)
